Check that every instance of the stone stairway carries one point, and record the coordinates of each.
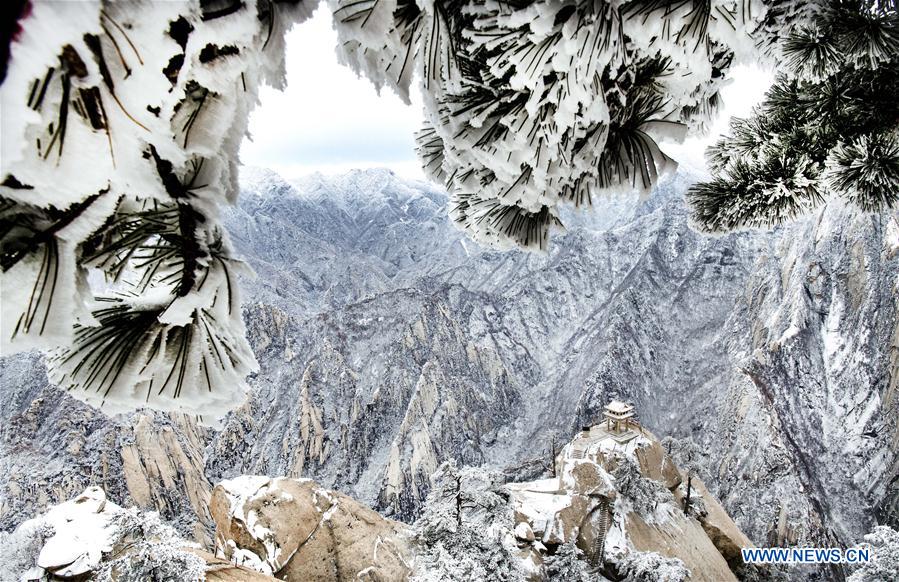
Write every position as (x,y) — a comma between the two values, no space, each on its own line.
(599,542)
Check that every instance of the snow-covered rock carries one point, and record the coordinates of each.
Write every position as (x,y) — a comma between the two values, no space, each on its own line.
(92,538)
(591,505)
(82,532)
(524,532)
(162,464)
(681,538)
(297,530)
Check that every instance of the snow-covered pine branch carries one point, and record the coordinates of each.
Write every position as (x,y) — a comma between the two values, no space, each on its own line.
(121,129)
(828,128)
(530,105)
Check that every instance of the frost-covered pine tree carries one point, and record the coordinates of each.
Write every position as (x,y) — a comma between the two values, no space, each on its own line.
(19,548)
(148,549)
(828,128)
(652,567)
(122,123)
(687,455)
(884,565)
(465,529)
(567,565)
(643,494)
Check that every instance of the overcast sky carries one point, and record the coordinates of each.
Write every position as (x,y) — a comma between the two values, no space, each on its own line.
(330,121)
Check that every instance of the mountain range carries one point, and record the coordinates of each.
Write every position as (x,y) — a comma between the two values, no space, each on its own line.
(389,343)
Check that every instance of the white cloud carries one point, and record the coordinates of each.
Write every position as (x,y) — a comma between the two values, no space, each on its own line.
(327,119)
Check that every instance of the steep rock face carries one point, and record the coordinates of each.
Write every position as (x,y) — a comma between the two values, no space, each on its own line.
(718,525)
(54,447)
(388,344)
(297,530)
(610,516)
(165,463)
(373,399)
(806,424)
(820,362)
(684,539)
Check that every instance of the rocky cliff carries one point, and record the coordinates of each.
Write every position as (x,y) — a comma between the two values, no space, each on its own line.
(294,529)
(388,344)
(615,498)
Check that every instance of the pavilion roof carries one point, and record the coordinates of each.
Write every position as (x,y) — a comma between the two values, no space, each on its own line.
(619,407)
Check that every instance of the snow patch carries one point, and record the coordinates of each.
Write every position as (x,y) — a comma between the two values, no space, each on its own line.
(82,533)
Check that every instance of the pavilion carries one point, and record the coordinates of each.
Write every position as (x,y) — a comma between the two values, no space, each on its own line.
(618,416)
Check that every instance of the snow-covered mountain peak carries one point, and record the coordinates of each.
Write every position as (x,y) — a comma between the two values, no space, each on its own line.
(359,194)
(262,182)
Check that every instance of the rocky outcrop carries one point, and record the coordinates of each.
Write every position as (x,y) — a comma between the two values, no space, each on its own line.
(159,466)
(296,530)
(608,516)
(655,464)
(89,537)
(718,525)
(52,447)
(219,570)
(679,537)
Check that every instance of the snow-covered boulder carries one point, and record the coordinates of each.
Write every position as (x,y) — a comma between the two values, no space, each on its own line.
(92,538)
(297,530)
(82,533)
(553,517)
(524,532)
(587,478)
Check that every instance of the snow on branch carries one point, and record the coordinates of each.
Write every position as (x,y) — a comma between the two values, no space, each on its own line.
(828,128)
(120,144)
(533,104)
